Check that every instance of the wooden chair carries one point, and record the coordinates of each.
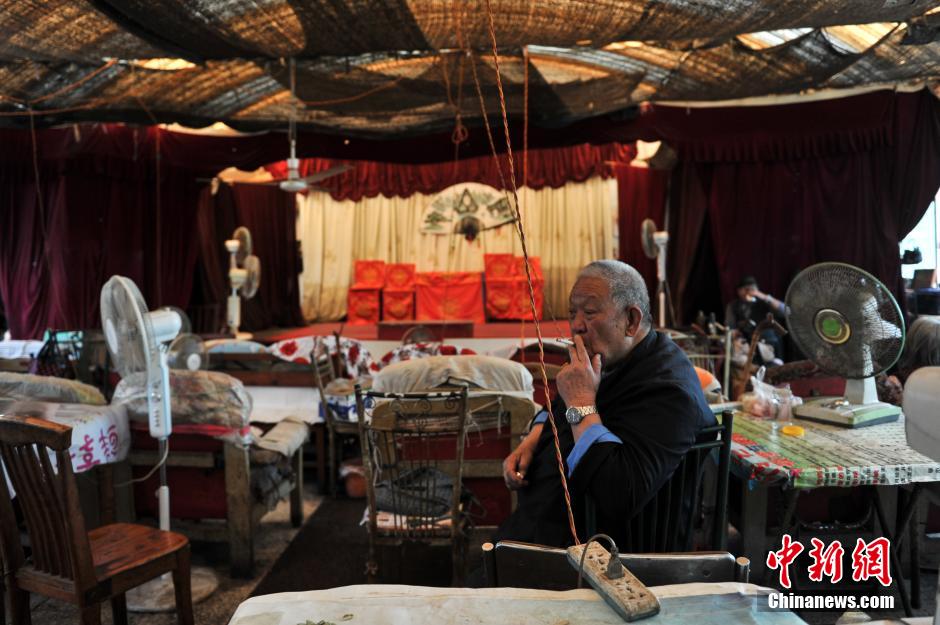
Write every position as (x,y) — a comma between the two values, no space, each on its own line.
(336,428)
(667,522)
(409,441)
(556,356)
(524,565)
(68,563)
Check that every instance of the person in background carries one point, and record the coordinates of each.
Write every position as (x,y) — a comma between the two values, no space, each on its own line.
(749,308)
(921,347)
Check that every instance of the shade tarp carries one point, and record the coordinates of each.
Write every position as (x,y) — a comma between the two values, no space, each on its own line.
(384,68)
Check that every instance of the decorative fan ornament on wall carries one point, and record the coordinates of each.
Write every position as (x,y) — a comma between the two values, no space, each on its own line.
(467,209)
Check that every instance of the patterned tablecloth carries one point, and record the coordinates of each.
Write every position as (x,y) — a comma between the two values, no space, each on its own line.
(358,360)
(827,455)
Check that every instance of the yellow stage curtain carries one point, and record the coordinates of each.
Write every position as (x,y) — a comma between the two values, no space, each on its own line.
(567,227)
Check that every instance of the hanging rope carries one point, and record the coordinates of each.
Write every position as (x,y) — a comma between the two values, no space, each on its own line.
(522,239)
(525,122)
(157,198)
(39,199)
(354,98)
(460,132)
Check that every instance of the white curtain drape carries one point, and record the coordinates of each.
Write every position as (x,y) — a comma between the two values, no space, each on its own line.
(566,228)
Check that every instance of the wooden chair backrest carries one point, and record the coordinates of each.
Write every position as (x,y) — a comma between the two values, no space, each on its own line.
(48,498)
(323,374)
(406,434)
(554,353)
(524,565)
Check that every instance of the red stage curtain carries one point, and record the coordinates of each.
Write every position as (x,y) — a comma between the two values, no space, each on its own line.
(546,168)
(772,133)
(101,218)
(838,196)
(641,195)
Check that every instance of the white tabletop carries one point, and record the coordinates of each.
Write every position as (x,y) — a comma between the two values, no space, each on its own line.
(702,604)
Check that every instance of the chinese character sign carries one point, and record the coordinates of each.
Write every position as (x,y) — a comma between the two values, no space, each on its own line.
(869,560)
(784,558)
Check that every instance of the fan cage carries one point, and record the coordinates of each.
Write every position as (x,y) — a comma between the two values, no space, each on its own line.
(874,317)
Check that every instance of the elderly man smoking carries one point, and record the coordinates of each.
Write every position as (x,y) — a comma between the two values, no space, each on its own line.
(630,407)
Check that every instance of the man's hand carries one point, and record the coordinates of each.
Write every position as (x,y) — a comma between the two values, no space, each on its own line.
(517,463)
(515,466)
(579,379)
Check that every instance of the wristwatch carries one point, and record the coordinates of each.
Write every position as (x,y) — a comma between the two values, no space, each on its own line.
(576,414)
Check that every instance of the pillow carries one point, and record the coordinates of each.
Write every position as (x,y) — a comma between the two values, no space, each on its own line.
(48,388)
(480,372)
(197,398)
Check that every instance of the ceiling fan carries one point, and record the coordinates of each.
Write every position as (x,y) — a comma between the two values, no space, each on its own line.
(294,183)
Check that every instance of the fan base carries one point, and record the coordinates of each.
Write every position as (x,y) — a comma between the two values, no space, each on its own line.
(157,595)
(835,411)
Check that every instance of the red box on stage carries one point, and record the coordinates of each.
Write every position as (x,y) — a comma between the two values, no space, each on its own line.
(449,296)
(398,305)
(535,264)
(500,298)
(369,274)
(400,277)
(499,266)
(508,299)
(521,307)
(363,306)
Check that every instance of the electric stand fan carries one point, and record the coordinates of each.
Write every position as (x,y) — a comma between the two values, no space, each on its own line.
(849,324)
(654,244)
(244,274)
(135,338)
(188,352)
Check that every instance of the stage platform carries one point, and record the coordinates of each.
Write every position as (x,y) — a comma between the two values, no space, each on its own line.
(455,329)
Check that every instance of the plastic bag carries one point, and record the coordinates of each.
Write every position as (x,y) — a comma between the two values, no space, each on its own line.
(767,401)
(762,401)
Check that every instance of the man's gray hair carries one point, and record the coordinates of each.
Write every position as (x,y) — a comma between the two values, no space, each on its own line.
(627,287)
